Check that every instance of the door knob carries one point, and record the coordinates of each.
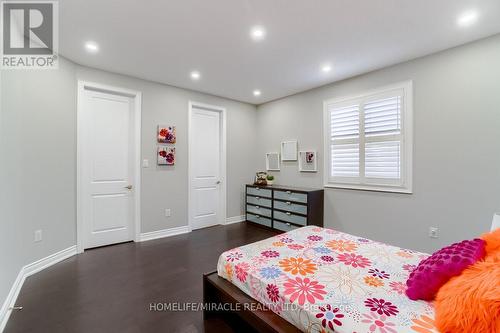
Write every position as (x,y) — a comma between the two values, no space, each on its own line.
(217,182)
(129,187)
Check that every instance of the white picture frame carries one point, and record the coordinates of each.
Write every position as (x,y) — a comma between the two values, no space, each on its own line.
(308,161)
(289,150)
(273,162)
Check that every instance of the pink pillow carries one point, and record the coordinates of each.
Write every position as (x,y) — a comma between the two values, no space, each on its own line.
(434,271)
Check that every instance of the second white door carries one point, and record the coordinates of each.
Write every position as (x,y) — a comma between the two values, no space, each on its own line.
(206,172)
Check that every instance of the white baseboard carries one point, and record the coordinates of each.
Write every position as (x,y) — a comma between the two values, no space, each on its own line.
(26,271)
(147,236)
(235,219)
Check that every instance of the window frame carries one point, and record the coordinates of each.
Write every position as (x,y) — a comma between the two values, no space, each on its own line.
(406,162)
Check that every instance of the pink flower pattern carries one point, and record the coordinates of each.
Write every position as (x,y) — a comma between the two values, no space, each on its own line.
(381,306)
(354,260)
(378,323)
(273,292)
(242,271)
(270,254)
(304,289)
(295,247)
(398,287)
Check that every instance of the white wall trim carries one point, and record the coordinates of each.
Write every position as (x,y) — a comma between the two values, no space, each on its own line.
(235,219)
(137,96)
(222,208)
(147,236)
(26,271)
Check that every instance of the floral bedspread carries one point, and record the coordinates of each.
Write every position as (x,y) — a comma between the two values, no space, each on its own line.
(322,280)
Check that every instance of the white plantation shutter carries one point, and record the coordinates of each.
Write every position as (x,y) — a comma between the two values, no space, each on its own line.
(383,160)
(369,146)
(383,116)
(345,160)
(345,122)
(344,139)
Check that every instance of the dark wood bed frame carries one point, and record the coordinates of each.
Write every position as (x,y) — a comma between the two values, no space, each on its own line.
(217,290)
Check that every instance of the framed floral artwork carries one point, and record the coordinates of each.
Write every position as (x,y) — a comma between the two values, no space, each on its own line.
(166,134)
(166,156)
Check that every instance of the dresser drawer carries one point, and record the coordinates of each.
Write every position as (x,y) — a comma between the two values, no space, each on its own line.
(259,219)
(290,196)
(290,207)
(260,192)
(257,210)
(258,201)
(284,226)
(289,217)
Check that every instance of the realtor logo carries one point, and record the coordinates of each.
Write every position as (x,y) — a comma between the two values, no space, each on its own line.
(29,34)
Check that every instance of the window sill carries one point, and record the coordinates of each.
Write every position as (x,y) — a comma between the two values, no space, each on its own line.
(374,188)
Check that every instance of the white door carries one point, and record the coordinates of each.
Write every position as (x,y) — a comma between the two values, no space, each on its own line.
(107,168)
(206,167)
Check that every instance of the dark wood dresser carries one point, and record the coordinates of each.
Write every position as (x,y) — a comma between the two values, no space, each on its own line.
(284,208)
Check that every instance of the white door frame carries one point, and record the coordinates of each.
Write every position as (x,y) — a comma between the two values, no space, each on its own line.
(137,96)
(222,201)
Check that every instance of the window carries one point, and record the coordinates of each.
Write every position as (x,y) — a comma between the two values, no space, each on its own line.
(368,140)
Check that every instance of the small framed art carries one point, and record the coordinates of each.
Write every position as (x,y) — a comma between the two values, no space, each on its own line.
(308,161)
(273,162)
(166,156)
(166,134)
(289,151)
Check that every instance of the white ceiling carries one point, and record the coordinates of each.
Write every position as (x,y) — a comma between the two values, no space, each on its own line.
(163,41)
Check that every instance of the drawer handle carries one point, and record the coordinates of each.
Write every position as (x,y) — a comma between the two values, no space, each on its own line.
(257,198)
(288,224)
(288,192)
(288,203)
(258,207)
(257,188)
(257,216)
(288,213)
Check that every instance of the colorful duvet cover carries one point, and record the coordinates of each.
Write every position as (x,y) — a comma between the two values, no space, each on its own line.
(322,280)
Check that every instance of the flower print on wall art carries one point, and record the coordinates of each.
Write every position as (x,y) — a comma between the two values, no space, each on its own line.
(166,156)
(166,134)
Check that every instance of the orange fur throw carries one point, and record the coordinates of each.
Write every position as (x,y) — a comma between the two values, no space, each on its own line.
(470,302)
(492,240)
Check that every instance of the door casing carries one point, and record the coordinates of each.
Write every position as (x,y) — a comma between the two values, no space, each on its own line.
(222,198)
(137,97)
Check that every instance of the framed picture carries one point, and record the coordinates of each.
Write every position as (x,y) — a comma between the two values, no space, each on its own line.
(166,134)
(273,162)
(166,155)
(308,161)
(289,151)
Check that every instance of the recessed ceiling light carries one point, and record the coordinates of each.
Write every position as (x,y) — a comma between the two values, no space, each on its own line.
(195,75)
(258,33)
(468,18)
(326,68)
(256,93)
(91,47)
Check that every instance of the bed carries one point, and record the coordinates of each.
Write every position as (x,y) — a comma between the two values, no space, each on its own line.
(320,280)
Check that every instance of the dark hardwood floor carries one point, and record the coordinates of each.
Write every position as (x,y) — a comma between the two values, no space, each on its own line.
(110,289)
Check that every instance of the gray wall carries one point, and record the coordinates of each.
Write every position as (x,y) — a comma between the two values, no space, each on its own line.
(456,169)
(37,166)
(38,159)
